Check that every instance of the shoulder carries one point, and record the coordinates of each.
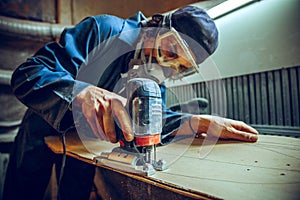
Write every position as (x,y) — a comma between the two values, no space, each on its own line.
(107,22)
(111,22)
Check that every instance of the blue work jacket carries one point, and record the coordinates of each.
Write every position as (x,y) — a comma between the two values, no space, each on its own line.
(95,51)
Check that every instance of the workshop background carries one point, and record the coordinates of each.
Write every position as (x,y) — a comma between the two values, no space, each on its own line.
(258,58)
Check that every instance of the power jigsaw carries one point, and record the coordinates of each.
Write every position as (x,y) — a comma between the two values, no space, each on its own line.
(144,103)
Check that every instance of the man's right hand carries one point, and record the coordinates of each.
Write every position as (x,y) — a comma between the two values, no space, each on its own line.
(100,106)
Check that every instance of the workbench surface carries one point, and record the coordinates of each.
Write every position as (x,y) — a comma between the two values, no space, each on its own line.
(267,169)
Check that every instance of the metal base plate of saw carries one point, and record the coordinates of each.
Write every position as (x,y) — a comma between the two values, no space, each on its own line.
(132,162)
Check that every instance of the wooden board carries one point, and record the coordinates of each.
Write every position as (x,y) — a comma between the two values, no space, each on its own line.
(267,169)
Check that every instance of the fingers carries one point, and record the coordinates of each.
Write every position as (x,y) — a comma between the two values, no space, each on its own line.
(240,135)
(100,108)
(114,108)
(108,110)
(105,115)
(124,119)
(91,117)
(232,129)
(244,132)
(247,128)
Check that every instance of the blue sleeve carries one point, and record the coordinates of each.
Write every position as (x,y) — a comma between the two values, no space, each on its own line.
(44,83)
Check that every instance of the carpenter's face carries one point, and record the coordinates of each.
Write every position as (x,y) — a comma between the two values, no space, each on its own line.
(171,51)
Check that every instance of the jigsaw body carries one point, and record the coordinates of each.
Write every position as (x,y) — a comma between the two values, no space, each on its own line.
(144,105)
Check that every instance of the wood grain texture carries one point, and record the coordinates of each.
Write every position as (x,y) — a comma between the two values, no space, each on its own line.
(267,169)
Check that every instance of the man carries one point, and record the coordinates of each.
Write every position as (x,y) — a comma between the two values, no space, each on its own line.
(78,82)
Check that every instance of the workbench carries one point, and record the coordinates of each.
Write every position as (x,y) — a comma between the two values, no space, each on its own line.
(267,169)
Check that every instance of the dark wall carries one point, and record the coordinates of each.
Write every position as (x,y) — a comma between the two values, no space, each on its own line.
(36,10)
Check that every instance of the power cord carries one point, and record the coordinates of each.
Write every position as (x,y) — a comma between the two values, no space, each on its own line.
(63,162)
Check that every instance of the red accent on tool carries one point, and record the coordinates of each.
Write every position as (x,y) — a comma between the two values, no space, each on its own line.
(147,140)
(122,144)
